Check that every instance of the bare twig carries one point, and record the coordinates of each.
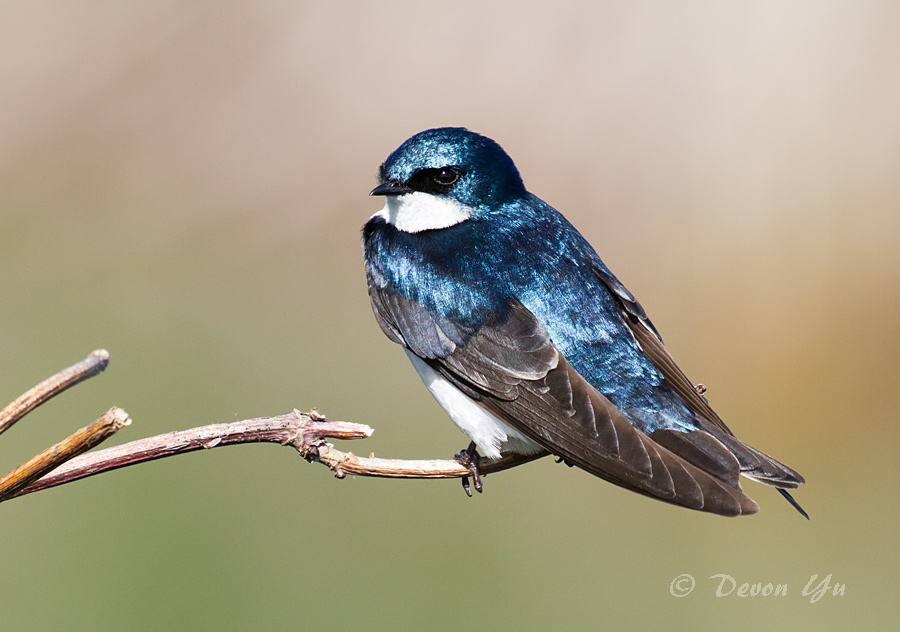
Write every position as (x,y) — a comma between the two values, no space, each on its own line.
(81,441)
(343,463)
(305,432)
(89,367)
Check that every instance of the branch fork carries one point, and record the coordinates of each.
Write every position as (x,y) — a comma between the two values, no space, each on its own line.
(305,432)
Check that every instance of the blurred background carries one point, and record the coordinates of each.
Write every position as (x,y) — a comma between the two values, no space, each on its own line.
(183,184)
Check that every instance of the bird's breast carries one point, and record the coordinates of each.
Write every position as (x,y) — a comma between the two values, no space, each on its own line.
(489,433)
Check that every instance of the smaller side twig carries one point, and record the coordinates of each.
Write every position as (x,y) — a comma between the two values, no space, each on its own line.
(81,441)
(343,463)
(89,367)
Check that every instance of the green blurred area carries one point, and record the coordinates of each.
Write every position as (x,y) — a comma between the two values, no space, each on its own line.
(184,184)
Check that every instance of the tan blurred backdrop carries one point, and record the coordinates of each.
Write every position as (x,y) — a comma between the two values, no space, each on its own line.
(184,184)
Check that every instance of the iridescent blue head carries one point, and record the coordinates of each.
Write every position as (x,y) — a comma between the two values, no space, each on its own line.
(443,176)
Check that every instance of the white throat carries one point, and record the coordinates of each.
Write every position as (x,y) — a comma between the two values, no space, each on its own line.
(416,211)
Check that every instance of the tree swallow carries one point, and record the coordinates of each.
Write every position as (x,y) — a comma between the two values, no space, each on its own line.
(529,342)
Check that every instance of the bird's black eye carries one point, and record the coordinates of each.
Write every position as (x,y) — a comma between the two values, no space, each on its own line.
(436,181)
(446,176)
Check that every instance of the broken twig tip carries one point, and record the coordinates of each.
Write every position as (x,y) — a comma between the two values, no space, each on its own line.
(101,357)
(118,417)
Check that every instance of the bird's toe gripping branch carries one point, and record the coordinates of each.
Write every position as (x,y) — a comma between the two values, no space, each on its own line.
(470,459)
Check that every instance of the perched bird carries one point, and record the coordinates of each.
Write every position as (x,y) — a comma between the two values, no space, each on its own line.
(529,342)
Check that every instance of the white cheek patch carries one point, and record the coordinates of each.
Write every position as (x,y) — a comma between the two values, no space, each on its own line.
(417,211)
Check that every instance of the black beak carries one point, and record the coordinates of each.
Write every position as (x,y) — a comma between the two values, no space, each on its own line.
(390,187)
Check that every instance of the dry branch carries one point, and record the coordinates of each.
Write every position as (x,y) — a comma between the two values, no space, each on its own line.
(81,441)
(304,432)
(31,399)
(89,367)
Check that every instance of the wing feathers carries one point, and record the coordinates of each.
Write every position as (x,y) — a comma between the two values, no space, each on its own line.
(495,361)
(513,369)
(753,463)
(702,450)
(550,403)
(617,451)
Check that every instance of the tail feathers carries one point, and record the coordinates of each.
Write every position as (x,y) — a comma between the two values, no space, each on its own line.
(760,467)
(725,458)
(793,502)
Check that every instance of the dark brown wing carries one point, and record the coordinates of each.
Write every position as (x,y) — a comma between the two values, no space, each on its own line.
(517,374)
(695,446)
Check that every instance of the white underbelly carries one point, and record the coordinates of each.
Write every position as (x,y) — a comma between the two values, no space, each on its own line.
(490,434)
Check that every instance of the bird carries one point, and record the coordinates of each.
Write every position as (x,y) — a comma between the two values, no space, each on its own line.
(528,341)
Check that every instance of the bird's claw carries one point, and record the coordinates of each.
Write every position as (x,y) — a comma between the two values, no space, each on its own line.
(469,459)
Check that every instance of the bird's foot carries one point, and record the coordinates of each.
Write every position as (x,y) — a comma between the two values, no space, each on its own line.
(469,459)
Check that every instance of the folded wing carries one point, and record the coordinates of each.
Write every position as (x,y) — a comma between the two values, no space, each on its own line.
(513,369)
